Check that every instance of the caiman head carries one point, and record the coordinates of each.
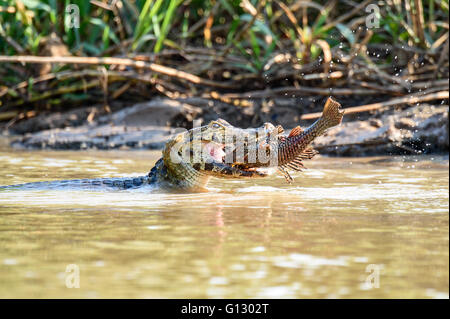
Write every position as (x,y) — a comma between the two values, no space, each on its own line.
(190,158)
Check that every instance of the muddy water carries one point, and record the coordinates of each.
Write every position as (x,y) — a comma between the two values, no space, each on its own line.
(346,228)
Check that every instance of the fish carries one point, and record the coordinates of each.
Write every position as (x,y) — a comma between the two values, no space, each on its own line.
(290,151)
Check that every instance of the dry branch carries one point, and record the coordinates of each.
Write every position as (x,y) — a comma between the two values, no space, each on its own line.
(157,68)
(410,99)
(293,91)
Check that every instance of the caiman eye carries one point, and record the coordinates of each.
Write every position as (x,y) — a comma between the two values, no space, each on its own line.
(215,125)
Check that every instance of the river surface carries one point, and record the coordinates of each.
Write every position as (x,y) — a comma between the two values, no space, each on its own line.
(346,228)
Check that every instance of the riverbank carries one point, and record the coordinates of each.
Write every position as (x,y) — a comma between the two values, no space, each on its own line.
(417,129)
(151,67)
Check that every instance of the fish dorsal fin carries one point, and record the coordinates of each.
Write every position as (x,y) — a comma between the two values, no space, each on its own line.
(296,131)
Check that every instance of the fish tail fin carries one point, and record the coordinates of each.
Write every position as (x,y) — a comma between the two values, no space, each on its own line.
(332,113)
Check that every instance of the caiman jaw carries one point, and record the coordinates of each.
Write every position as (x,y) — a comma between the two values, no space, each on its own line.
(216,151)
(216,163)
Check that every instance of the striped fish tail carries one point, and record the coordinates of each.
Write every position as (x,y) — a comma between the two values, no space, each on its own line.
(332,113)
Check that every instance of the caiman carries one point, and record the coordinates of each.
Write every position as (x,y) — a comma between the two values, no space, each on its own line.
(218,149)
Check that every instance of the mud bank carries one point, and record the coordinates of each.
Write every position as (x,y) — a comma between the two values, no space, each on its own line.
(422,129)
(419,129)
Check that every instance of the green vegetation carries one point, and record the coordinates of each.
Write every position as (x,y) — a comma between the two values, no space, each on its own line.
(258,44)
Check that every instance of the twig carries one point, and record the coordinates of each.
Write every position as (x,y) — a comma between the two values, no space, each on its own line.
(25,84)
(344,17)
(289,90)
(4,116)
(59,91)
(410,99)
(442,58)
(119,61)
(10,40)
(8,9)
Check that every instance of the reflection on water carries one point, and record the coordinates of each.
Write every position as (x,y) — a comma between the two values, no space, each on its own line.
(245,238)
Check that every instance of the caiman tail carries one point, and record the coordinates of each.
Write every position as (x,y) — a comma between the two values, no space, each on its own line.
(92,184)
(295,148)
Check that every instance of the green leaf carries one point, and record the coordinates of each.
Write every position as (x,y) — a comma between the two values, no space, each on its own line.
(75,97)
(232,31)
(166,24)
(258,25)
(34,4)
(247,67)
(320,21)
(90,48)
(255,46)
(346,32)
(12,93)
(142,40)
(105,38)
